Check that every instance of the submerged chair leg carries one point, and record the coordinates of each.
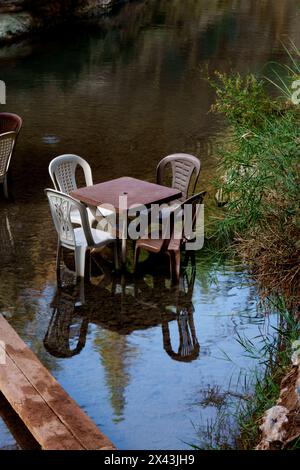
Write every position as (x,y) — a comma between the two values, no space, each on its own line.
(5,187)
(116,256)
(80,252)
(136,257)
(58,257)
(81,291)
(175,264)
(170,254)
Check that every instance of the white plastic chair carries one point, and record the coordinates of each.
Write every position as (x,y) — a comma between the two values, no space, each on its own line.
(78,239)
(62,170)
(7,143)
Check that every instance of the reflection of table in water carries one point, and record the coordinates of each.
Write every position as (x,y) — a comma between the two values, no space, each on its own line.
(123,305)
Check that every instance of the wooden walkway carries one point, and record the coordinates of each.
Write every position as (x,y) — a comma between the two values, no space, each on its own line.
(53,418)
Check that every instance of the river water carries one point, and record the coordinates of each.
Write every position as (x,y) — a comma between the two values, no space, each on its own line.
(153,365)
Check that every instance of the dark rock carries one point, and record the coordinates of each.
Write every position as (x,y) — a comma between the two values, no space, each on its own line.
(21,17)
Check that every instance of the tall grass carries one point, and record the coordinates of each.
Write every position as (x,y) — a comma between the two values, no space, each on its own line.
(259,176)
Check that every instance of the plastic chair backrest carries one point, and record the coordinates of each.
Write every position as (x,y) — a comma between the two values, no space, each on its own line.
(61,205)
(62,171)
(183,166)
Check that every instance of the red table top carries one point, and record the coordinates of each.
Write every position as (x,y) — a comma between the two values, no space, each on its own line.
(138,192)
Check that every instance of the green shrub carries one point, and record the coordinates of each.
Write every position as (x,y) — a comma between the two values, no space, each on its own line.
(259,178)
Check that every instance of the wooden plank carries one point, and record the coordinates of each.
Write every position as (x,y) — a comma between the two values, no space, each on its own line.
(16,427)
(80,426)
(40,420)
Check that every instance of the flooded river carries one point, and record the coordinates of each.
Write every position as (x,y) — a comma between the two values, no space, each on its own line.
(153,365)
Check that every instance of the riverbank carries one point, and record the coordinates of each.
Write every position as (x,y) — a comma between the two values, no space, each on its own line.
(20,18)
(258,189)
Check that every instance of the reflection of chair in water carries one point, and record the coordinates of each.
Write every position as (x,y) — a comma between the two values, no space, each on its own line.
(122,305)
(64,326)
(144,303)
(188,348)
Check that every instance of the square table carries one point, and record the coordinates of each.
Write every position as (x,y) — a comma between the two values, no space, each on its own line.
(138,193)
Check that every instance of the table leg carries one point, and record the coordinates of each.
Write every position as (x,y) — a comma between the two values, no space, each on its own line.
(123,227)
(124,251)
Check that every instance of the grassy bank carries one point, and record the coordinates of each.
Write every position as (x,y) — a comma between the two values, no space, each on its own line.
(257,189)
(274,355)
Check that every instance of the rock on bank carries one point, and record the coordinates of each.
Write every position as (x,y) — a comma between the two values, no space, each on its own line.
(21,17)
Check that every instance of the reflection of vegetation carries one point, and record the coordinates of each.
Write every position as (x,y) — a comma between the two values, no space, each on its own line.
(218,271)
(197,29)
(239,415)
(23,278)
(116,355)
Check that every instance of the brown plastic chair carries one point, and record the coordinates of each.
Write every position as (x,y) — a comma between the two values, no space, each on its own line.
(173,245)
(7,143)
(10,122)
(183,167)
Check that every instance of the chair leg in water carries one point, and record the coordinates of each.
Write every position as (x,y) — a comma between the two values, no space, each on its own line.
(58,258)
(116,256)
(5,187)
(174,264)
(80,252)
(136,257)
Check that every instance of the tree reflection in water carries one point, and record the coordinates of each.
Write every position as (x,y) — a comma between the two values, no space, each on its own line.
(123,304)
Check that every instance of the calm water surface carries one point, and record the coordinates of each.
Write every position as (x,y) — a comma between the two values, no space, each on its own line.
(146,361)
